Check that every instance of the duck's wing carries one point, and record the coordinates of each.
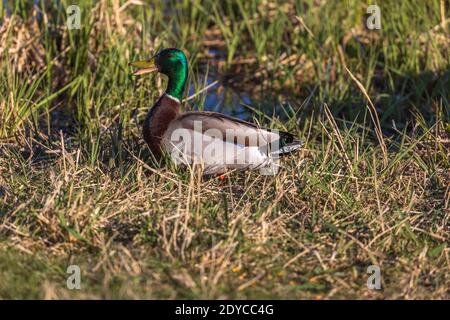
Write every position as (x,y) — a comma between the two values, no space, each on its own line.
(232,130)
(235,143)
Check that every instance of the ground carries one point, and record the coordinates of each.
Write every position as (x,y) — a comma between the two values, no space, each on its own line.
(371,187)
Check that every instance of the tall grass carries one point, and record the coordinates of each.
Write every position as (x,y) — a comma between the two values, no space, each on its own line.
(77,185)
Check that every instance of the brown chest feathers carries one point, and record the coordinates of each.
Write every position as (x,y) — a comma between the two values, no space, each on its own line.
(157,121)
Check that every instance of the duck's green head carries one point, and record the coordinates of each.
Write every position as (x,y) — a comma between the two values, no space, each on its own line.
(173,63)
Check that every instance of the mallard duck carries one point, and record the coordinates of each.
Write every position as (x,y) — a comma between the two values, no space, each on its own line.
(216,141)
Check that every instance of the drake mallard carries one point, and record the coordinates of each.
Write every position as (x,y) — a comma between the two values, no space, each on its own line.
(216,141)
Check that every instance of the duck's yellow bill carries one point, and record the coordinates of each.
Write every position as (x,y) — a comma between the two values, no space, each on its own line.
(144,66)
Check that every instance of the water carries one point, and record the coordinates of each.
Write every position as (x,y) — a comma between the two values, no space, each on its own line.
(239,102)
(223,99)
(231,98)
(7,7)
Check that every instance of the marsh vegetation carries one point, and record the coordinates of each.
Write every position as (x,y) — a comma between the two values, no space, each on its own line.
(370,187)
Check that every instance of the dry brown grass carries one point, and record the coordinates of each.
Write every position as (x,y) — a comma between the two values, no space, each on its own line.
(309,232)
(77,185)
